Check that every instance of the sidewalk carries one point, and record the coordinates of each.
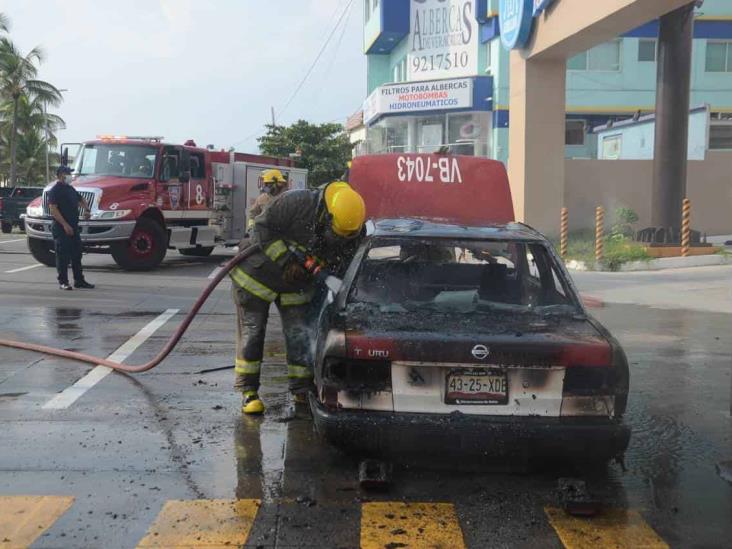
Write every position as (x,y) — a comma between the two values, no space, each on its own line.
(698,288)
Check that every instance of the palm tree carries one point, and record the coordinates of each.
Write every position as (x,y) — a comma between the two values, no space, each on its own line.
(17,79)
(32,158)
(33,121)
(4,23)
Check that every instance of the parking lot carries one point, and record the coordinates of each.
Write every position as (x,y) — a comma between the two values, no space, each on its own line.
(166,458)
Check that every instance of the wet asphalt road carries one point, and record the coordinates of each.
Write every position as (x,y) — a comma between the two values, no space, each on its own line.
(128,445)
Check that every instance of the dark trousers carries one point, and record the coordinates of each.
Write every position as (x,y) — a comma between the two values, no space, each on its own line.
(252,314)
(68,250)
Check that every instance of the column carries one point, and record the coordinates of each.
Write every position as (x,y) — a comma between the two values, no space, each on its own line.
(672,117)
(536,140)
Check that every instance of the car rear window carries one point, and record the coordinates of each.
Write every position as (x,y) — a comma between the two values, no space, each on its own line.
(461,276)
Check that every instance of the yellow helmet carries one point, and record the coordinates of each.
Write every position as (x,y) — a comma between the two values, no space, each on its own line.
(332,188)
(273,176)
(347,209)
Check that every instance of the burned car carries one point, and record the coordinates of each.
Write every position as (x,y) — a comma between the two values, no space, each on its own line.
(455,340)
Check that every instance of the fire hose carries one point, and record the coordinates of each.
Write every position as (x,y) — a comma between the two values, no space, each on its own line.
(169,346)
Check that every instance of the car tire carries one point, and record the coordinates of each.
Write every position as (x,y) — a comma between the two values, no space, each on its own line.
(201,251)
(42,251)
(21,226)
(145,248)
(6,227)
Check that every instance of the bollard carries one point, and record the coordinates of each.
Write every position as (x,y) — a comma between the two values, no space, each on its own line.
(564,233)
(599,232)
(685,227)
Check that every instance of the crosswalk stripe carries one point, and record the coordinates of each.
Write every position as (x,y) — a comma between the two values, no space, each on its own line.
(613,528)
(24,518)
(399,524)
(210,523)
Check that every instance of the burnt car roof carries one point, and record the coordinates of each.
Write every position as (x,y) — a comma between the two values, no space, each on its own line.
(415,227)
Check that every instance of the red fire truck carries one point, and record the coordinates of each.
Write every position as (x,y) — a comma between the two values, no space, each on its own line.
(148,196)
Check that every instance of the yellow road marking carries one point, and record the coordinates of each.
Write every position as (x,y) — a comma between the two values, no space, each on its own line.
(613,528)
(24,518)
(210,523)
(415,525)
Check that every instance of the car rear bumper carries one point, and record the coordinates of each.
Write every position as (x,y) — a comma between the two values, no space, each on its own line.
(90,231)
(396,435)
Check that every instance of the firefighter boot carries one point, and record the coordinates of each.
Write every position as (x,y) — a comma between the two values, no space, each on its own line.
(252,403)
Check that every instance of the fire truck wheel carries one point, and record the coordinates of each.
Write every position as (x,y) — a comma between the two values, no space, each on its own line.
(42,251)
(201,251)
(144,250)
(7,227)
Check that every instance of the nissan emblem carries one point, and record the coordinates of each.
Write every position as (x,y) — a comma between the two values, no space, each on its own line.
(480,352)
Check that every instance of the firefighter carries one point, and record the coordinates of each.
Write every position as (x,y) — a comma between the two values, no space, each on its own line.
(272,184)
(325,225)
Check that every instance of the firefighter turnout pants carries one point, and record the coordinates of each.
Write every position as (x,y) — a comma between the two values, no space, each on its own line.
(252,313)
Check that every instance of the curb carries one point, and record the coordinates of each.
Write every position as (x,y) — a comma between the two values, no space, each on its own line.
(656,264)
(675,263)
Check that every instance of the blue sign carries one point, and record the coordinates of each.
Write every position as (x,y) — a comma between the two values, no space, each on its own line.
(541,5)
(515,18)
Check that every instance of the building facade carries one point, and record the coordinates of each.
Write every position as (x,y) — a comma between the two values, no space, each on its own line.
(438,77)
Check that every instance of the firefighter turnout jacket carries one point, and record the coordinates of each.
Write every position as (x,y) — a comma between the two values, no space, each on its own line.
(299,219)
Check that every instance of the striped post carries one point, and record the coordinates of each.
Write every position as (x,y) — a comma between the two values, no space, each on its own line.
(685,227)
(599,232)
(564,233)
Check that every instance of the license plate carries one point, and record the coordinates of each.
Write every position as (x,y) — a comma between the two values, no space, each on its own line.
(476,386)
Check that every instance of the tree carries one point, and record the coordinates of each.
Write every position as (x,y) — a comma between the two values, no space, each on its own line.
(18,79)
(36,131)
(325,148)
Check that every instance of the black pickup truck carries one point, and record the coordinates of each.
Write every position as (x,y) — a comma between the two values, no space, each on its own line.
(13,202)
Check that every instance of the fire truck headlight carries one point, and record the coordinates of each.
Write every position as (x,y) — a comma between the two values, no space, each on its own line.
(107,215)
(34,211)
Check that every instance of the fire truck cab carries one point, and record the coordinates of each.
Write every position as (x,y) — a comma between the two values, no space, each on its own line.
(147,197)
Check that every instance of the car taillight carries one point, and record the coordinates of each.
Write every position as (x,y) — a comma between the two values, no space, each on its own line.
(357,375)
(587,380)
(586,354)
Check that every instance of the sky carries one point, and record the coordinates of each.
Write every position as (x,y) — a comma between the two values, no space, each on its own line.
(184,69)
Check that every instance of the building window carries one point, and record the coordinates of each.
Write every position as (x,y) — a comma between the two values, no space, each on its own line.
(646,50)
(611,147)
(603,57)
(720,136)
(574,132)
(719,57)
(399,70)
(489,56)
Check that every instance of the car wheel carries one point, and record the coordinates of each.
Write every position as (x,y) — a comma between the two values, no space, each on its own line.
(144,250)
(7,227)
(21,226)
(201,251)
(42,251)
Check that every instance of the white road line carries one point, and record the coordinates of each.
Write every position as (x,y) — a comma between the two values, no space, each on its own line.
(213,274)
(28,268)
(9,241)
(71,394)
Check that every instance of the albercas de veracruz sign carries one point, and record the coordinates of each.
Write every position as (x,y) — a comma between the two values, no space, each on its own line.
(443,39)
